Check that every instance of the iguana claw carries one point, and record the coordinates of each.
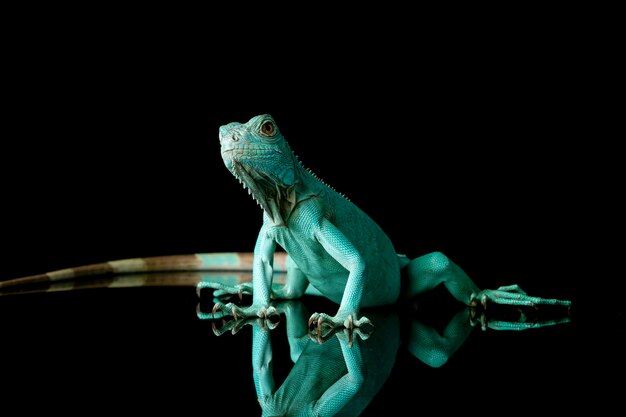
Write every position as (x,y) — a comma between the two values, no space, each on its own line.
(216,308)
(350,325)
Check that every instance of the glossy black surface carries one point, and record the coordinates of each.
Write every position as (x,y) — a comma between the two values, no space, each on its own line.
(145,349)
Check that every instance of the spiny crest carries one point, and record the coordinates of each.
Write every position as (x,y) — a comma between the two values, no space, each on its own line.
(318,178)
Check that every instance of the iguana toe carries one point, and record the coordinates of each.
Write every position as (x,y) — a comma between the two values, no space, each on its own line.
(271,317)
(363,321)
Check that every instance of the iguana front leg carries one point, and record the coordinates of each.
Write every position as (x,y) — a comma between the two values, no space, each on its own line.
(343,251)
(261,288)
(262,271)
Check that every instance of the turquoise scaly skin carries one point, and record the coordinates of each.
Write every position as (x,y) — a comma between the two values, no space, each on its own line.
(333,248)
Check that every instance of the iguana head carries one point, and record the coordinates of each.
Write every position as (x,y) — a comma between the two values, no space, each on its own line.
(258,155)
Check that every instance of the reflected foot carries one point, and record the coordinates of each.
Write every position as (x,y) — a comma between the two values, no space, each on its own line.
(342,333)
(235,325)
(512,295)
(322,327)
(267,317)
(521,323)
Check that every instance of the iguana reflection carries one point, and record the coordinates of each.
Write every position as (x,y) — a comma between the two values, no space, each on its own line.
(339,373)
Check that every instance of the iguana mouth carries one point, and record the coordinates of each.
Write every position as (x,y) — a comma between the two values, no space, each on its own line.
(242,150)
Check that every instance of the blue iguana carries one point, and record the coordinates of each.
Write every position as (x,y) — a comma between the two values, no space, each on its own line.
(332,248)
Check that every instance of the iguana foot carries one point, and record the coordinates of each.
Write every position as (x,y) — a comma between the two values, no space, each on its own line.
(267,317)
(222,290)
(235,325)
(324,326)
(342,333)
(511,295)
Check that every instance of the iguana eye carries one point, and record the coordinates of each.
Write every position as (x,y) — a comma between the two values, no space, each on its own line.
(267,128)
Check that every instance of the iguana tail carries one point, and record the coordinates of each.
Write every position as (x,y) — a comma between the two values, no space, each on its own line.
(199,262)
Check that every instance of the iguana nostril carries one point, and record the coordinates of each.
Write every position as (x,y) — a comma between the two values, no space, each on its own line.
(235,138)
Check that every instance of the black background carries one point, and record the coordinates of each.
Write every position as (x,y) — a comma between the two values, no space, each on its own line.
(491,149)
(120,158)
